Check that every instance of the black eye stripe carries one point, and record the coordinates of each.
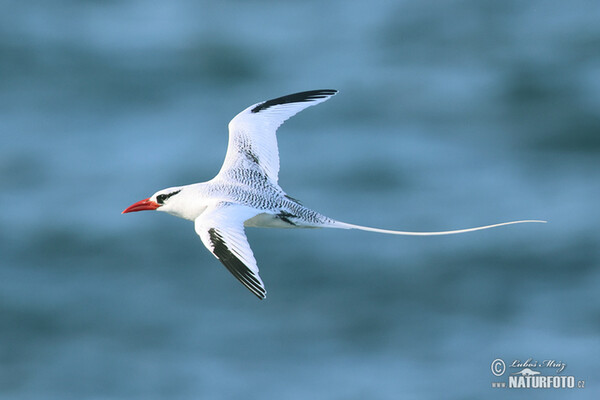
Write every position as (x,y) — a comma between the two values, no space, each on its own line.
(161,198)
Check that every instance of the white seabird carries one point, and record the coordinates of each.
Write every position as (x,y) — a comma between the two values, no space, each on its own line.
(245,192)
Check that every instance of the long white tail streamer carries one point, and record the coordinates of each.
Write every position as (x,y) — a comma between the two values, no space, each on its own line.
(344,225)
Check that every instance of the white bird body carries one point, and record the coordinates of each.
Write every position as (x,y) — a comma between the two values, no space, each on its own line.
(245,192)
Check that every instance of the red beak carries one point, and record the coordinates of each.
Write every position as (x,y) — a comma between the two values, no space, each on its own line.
(142,205)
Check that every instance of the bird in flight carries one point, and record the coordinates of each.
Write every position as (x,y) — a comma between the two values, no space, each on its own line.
(245,192)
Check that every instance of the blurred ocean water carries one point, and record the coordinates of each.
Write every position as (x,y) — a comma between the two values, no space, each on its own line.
(449,115)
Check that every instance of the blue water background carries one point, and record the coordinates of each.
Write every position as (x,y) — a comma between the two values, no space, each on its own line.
(450,115)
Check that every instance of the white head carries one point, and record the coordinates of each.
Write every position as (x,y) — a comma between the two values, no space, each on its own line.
(176,201)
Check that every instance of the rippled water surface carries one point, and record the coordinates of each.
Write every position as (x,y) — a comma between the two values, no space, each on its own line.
(450,115)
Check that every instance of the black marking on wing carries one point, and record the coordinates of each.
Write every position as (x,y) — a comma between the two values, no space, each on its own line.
(295,98)
(285,217)
(235,265)
(251,156)
(287,196)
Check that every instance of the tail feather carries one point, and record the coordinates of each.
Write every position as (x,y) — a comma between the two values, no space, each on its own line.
(344,225)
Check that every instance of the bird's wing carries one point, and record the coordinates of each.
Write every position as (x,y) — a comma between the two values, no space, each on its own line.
(252,140)
(221,228)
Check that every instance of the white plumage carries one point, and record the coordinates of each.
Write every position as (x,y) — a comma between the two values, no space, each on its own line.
(245,192)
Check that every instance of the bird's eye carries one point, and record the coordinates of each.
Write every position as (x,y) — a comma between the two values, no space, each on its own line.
(160,199)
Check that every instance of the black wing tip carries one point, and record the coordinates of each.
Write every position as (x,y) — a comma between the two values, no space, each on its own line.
(299,97)
(235,265)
